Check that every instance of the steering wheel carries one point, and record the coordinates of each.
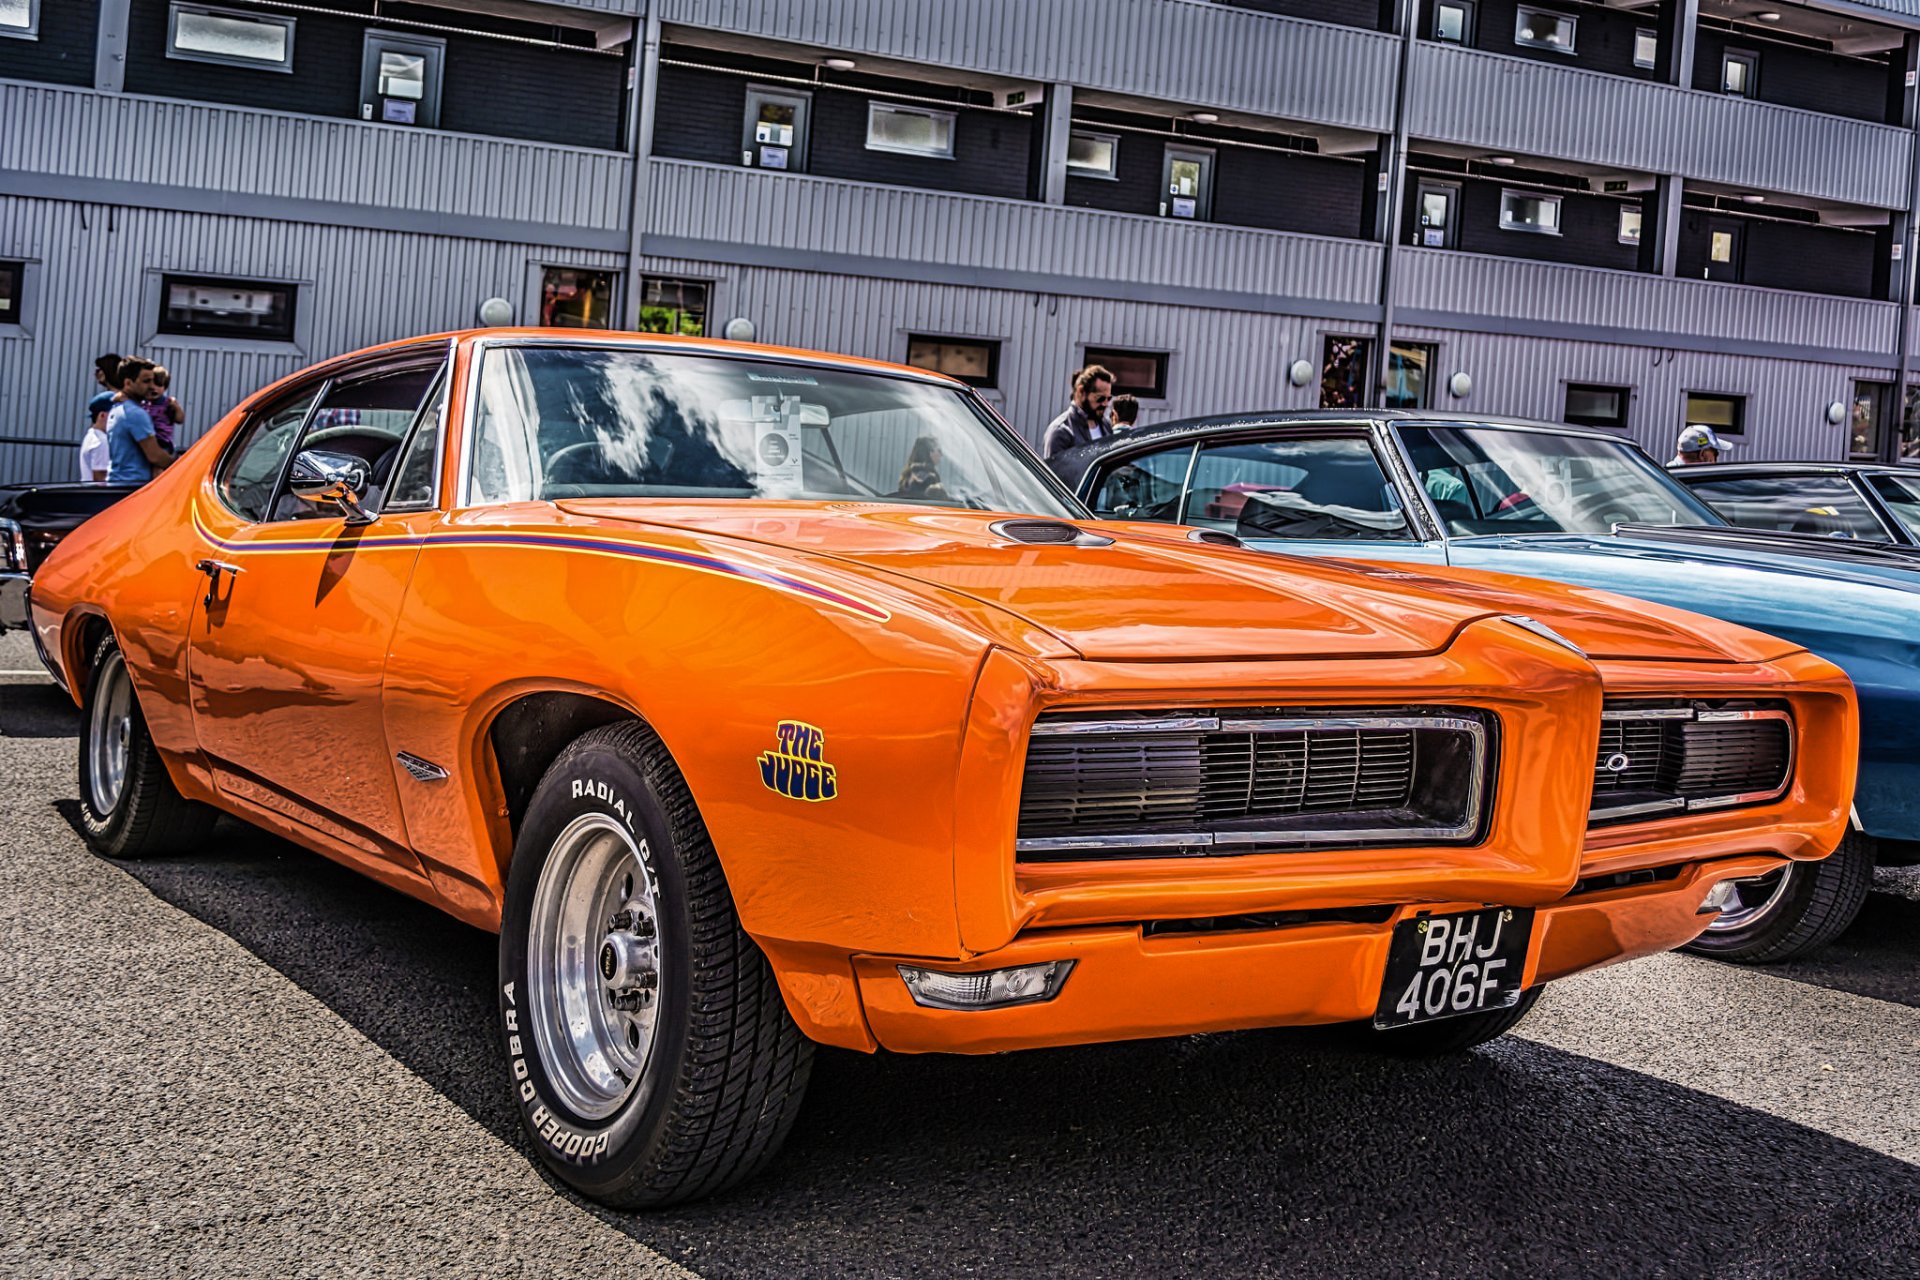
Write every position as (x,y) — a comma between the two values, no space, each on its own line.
(1601,510)
(575,457)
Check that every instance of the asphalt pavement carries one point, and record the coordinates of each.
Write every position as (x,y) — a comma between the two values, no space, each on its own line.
(251,1062)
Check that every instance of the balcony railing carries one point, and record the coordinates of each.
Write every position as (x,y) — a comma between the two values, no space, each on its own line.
(1526,107)
(77,133)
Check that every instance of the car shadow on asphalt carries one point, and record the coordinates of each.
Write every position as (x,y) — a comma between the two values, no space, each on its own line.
(36,710)
(1243,1154)
(1878,955)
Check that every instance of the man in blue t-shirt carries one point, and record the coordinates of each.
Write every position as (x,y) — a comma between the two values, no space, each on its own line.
(133,454)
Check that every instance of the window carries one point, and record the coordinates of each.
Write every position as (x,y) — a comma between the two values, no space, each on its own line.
(673,306)
(196,306)
(368,416)
(1720,246)
(1538,29)
(1725,414)
(1311,489)
(417,475)
(400,78)
(1186,182)
(1135,373)
(260,40)
(1629,224)
(776,129)
(1526,211)
(1646,48)
(1828,505)
(1144,488)
(251,470)
(1902,496)
(12,280)
(1344,363)
(1408,383)
(20,18)
(1739,70)
(1093,155)
(913,131)
(1596,406)
(975,361)
(1453,22)
(573,299)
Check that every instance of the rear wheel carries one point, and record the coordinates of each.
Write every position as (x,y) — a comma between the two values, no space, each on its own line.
(1798,909)
(129,807)
(1450,1035)
(652,1056)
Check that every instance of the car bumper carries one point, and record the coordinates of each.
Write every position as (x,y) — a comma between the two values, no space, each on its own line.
(13,601)
(1128,985)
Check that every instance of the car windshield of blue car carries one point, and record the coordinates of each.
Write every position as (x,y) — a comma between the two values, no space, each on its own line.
(1902,496)
(553,422)
(1490,480)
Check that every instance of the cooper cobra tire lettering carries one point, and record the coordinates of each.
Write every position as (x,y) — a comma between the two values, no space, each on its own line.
(718,1074)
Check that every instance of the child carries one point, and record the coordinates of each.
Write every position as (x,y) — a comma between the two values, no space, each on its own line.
(163,408)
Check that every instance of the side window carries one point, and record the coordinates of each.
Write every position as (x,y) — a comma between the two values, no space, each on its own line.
(416,477)
(1143,488)
(247,477)
(366,416)
(1793,504)
(1331,488)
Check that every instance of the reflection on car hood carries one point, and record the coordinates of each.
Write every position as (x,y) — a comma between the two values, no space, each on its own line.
(1147,595)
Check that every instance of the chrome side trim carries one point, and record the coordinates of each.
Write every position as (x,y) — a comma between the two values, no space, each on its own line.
(1622,810)
(1186,724)
(1544,631)
(422,770)
(1295,725)
(1706,717)
(1651,713)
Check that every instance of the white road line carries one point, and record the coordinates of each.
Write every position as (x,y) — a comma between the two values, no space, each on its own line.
(1840,1063)
(41,674)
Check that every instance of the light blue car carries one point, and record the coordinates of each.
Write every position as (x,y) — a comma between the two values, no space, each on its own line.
(1579,507)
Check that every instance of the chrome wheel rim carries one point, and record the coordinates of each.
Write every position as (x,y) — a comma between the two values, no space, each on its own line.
(593,966)
(109,736)
(1753,901)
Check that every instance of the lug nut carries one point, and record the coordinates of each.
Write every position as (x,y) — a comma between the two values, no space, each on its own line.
(632,921)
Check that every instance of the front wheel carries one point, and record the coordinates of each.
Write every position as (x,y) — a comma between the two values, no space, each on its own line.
(129,807)
(652,1056)
(1795,910)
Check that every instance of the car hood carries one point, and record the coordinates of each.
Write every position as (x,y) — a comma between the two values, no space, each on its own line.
(1137,593)
(1604,624)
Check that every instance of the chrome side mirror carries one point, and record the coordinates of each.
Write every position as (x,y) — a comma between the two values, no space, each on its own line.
(338,479)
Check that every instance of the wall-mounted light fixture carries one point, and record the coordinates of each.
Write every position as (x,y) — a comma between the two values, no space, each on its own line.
(738,329)
(1836,413)
(495,312)
(1461,384)
(1300,373)
(838,64)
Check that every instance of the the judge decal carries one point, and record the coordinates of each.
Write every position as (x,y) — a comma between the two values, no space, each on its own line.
(797,766)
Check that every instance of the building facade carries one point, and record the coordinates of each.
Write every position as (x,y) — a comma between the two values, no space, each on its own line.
(1630,215)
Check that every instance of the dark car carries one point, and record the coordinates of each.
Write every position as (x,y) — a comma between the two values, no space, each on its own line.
(1866,501)
(1452,497)
(33,518)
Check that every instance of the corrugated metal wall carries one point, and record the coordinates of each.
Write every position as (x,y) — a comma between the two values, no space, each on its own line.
(1526,107)
(1189,51)
(1228,361)
(93,266)
(755,208)
(47,129)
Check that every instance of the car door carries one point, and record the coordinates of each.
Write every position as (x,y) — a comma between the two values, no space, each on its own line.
(289,640)
(1321,492)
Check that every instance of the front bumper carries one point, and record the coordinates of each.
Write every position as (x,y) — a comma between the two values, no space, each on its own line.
(1127,985)
(13,601)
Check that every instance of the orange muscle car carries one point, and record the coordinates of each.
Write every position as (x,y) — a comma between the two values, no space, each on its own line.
(760,698)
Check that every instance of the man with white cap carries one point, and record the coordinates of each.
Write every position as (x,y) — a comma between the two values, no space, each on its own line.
(1697,444)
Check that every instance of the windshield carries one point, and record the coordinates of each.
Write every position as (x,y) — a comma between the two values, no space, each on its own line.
(1484,480)
(1902,496)
(590,422)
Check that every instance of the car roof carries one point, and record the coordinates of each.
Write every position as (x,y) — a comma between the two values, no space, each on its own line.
(1710,470)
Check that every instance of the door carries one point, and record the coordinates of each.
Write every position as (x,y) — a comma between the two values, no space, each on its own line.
(1186,188)
(1726,244)
(776,129)
(288,647)
(400,79)
(1435,226)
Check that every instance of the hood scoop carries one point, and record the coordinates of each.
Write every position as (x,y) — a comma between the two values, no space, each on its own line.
(1048,533)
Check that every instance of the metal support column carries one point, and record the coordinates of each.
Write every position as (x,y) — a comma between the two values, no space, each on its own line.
(1679,21)
(1667,212)
(646,72)
(1396,170)
(110,49)
(1903,329)
(1059,108)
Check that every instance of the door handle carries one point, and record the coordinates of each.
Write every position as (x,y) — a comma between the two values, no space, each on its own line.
(213,569)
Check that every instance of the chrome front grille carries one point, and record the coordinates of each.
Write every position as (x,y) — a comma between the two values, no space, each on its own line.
(1666,757)
(1102,785)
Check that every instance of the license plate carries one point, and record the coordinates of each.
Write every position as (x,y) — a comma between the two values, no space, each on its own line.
(1444,966)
